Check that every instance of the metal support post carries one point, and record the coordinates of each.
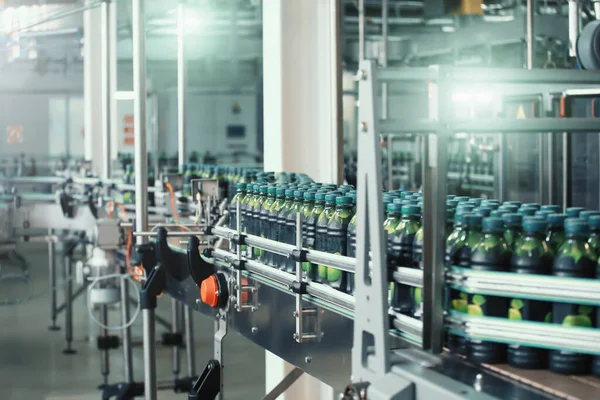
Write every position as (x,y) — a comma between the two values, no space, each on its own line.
(284,384)
(390,162)
(298,336)
(149,335)
(566,172)
(371,320)
(181,77)
(574,26)
(530,34)
(126,338)
(104,359)
(106,100)
(52,273)
(220,333)
(175,317)
(435,172)
(190,350)
(361,30)
(68,303)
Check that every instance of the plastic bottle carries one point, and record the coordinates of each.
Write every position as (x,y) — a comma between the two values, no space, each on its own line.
(491,253)
(556,231)
(458,252)
(274,221)
(513,228)
(402,248)
(321,238)
(237,199)
(574,259)
(311,221)
(531,255)
(263,216)
(594,239)
(187,180)
(289,230)
(337,240)
(457,233)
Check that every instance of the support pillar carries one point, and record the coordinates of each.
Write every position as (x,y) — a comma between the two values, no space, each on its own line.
(92,88)
(302,117)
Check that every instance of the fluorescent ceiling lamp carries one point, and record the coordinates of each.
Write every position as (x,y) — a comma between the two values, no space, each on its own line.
(197,20)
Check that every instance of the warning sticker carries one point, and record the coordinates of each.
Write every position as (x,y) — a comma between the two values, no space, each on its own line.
(14,134)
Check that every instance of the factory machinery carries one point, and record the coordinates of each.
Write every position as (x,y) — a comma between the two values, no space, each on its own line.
(352,341)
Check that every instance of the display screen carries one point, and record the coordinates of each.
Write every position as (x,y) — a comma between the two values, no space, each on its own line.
(236,131)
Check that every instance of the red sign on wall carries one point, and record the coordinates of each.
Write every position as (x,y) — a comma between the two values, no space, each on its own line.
(14,134)
(128,138)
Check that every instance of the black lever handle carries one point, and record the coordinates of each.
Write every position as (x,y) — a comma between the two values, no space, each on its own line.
(199,269)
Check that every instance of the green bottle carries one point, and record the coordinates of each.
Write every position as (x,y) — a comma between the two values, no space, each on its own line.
(128,179)
(574,259)
(457,234)
(556,231)
(273,223)
(513,228)
(187,180)
(594,240)
(532,255)
(491,253)
(290,224)
(337,240)
(283,226)
(237,199)
(258,212)
(311,224)
(321,239)
(402,254)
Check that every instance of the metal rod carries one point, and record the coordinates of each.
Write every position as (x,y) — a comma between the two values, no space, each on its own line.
(112,75)
(299,315)
(190,350)
(52,273)
(154,226)
(596,9)
(159,320)
(530,34)
(105,72)
(68,303)
(361,30)
(390,161)
(55,17)
(104,359)
(574,26)
(139,117)
(75,295)
(384,64)
(126,335)
(149,334)
(181,80)
(284,384)
(566,172)
(175,329)
(238,251)
(170,233)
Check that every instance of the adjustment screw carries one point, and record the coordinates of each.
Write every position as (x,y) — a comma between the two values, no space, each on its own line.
(307,359)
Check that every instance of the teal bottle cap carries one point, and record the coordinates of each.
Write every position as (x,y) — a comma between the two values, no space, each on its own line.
(241,186)
(249,187)
(527,211)
(498,213)
(476,201)
(330,197)
(289,193)
(573,212)
(492,224)
(543,213)
(299,194)
(472,220)
(513,203)
(585,215)
(452,203)
(556,220)
(533,205)
(534,224)
(343,200)
(575,226)
(483,211)
(512,219)
(551,207)
(272,190)
(263,189)
(410,209)
(508,208)
(394,208)
(594,222)
(450,197)
(310,196)
(320,196)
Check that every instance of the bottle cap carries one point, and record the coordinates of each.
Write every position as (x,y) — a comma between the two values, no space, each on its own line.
(250,187)
(483,211)
(512,219)
(289,193)
(508,208)
(241,186)
(331,196)
(476,201)
(410,209)
(527,211)
(513,203)
(352,194)
(594,222)
(491,224)
(532,205)
(452,203)
(319,196)
(556,220)
(498,213)
(543,213)
(472,220)
(395,208)
(263,189)
(272,190)
(343,200)
(310,196)
(299,194)
(587,214)
(551,207)
(573,212)
(575,226)
(450,197)
(534,224)
(462,199)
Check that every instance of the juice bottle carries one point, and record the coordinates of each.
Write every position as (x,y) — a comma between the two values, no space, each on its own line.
(237,199)
(573,259)
(337,240)
(274,220)
(491,253)
(321,239)
(263,218)
(351,240)
(532,255)
(457,233)
(310,219)
(458,252)
(402,251)
(289,230)
(594,239)
(556,231)
(513,228)
(573,212)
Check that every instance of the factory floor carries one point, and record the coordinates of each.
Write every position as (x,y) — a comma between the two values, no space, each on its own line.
(33,366)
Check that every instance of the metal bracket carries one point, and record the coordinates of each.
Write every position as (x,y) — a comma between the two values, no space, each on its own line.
(241,288)
(371,320)
(221,332)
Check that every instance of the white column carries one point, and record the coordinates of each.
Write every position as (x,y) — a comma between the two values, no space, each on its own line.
(302,117)
(301,85)
(92,87)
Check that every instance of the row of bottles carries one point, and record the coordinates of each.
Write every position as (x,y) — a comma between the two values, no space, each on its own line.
(129,178)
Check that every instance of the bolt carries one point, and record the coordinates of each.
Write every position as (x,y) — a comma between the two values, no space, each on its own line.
(197,301)
(363,126)
(254,330)
(307,359)
(218,315)
(295,314)
(295,336)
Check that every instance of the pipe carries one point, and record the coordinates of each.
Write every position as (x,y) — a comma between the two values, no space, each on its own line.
(105,72)
(574,26)
(181,76)
(596,9)
(361,29)
(530,35)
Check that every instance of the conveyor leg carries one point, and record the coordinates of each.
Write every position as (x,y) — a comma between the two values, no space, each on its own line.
(104,359)
(52,279)
(189,341)
(68,302)
(174,331)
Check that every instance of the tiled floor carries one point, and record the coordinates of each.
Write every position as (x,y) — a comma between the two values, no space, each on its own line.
(32,365)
